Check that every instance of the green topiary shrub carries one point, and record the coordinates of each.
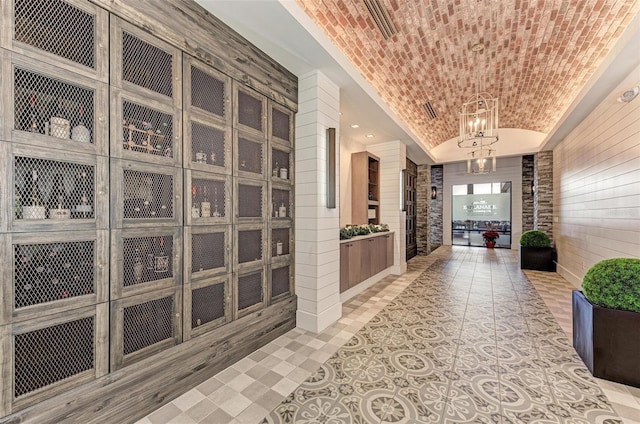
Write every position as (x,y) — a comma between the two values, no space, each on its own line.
(614,284)
(534,238)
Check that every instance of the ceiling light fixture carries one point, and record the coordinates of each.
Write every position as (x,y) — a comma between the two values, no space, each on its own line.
(629,95)
(369,135)
(355,126)
(479,127)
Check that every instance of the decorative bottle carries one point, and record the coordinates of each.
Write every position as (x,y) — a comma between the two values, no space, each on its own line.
(205,205)
(57,205)
(30,118)
(161,260)
(282,211)
(35,208)
(59,124)
(82,197)
(195,207)
(138,267)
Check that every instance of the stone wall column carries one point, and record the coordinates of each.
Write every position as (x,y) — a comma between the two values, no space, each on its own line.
(527,197)
(543,198)
(436,210)
(423,205)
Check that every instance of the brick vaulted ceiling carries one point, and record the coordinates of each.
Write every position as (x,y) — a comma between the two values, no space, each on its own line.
(537,55)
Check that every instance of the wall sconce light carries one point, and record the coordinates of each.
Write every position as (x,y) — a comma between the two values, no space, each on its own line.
(434,192)
(533,187)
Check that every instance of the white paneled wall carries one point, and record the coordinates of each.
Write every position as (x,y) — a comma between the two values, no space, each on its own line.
(317,235)
(597,186)
(393,159)
(507,169)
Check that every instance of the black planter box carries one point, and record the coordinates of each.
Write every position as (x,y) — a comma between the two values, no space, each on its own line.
(537,258)
(607,340)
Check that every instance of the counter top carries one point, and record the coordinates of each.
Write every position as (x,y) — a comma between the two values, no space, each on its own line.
(356,238)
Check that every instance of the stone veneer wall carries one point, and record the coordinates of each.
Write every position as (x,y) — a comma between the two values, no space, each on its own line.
(527,197)
(423,205)
(543,198)
(435,212)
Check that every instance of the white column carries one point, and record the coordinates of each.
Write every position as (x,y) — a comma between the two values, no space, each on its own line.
(393,159)
(317,229)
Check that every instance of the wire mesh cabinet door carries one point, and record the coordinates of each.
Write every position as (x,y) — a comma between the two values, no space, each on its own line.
(52,354)
(145,195)
(207,305)
(249,291)
(250,110)
(208,198)
(281,124)
(145,65)
(73,34)
(208,117)
(144,325)
(145,260)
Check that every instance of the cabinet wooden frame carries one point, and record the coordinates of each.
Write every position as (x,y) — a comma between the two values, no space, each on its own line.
(240,88)
(277,265)
(271,164)
(98,312)
(118,166)
(286,257)
(262,261)
(118,149)
(7,277)
(189,62)
(101,33)
(275,205)
(191,277)
(189,176)
(117,357)
(117,27)
(100,189)
(236,190)
(225,280)
(197,117)
(238,162)
(252,270)
(99,135)
(273,138)
(118,290)
(7,185)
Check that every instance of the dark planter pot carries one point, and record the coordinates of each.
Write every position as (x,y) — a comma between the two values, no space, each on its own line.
(490,244)
(607,340)
(537,258)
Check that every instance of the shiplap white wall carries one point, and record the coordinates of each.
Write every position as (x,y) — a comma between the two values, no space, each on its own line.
(507,169)
(317,243)
(597,186)
(393,159)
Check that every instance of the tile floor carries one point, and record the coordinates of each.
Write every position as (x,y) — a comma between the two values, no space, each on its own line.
(463,336)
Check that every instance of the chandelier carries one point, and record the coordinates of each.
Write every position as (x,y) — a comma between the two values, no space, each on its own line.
(479,129)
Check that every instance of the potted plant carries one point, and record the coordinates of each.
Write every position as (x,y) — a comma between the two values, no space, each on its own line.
(606,320)
(535,252)
(489,238)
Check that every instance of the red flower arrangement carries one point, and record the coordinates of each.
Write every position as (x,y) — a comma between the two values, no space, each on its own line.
(490,235)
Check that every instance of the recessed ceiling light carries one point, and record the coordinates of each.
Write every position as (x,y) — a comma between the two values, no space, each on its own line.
(369,135)
(355,126)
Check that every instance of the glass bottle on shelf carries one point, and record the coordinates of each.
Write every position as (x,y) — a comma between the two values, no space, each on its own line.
(18,200)
(161,260)
(205,205)
(30,118)
(138,267)
(81,197)
(59,125)
(34,206)
(278,248)
(58,205)
(275,171)
(282,211)
(195,207)
(215,213)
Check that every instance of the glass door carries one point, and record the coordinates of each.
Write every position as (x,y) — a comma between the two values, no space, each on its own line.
(480,212)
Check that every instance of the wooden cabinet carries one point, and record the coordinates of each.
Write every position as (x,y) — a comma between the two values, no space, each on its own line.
(363,258)
(146,201)
(365,188)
